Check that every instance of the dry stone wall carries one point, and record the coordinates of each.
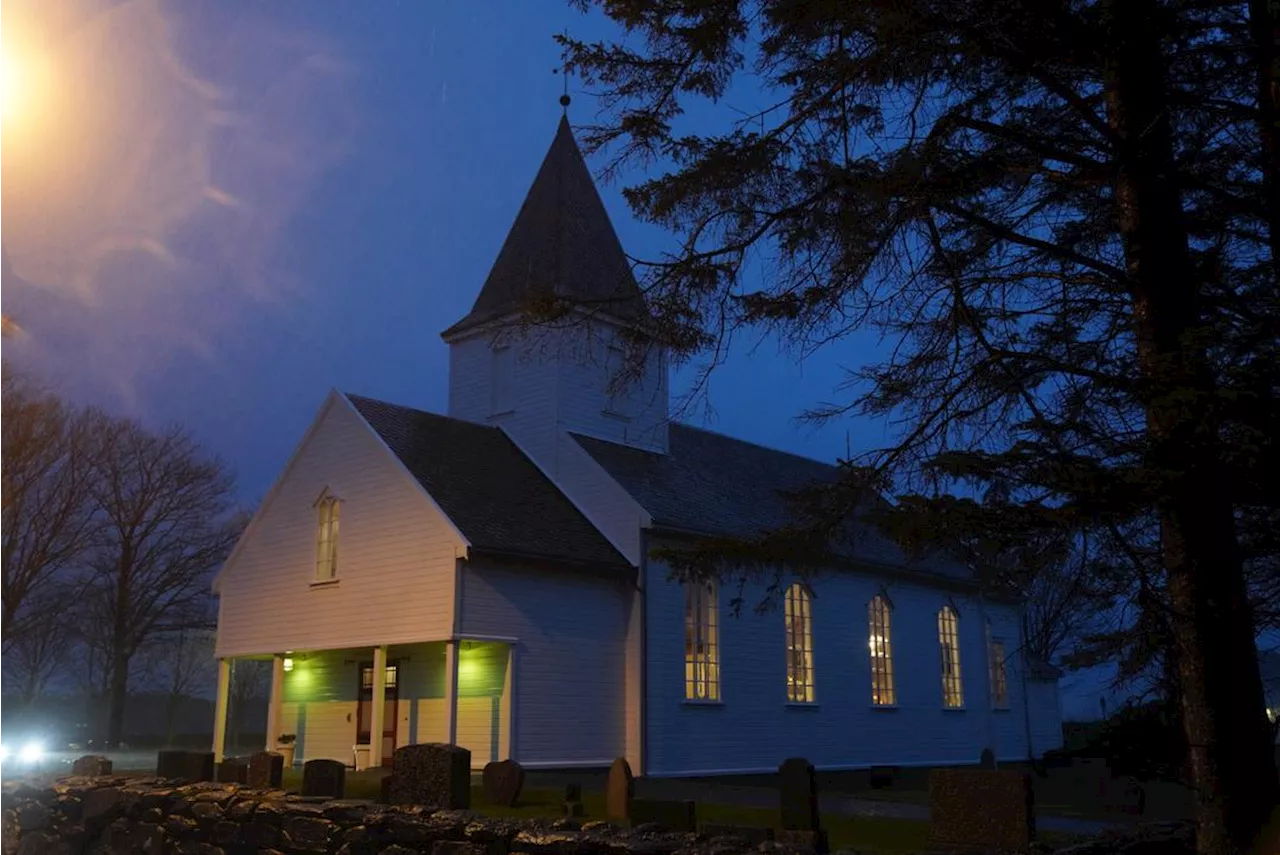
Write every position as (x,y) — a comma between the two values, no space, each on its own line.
(150,816)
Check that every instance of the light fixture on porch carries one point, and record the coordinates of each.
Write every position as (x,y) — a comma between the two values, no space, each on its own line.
(288,664)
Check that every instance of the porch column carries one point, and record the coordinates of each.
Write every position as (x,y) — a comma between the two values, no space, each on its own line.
(377,709)
(274,704)
(507,739)
(451,692)
(220,710)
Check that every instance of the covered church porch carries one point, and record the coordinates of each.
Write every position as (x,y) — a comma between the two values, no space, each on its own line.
(457,691)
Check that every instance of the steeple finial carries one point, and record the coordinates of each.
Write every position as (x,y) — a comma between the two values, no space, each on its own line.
(564,71)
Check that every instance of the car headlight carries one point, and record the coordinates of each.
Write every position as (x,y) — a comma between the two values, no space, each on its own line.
(4,753)
(31,752)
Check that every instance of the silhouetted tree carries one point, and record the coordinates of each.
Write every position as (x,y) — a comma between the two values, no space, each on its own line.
(1061,218)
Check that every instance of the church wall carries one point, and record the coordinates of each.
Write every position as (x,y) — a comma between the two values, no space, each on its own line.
(754,728)
(395,553)
(569,629)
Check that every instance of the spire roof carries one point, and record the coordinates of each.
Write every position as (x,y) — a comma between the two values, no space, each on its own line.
(562,245)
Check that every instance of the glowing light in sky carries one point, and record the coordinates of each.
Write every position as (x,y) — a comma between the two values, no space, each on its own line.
(21,77)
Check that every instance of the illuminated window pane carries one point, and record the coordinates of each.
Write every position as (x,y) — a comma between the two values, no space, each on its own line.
(882,691)
(329,510)
(949,647)
(799,628)
(701,642)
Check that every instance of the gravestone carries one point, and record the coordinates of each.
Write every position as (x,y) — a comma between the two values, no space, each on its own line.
(384,789)
(266,770)
(233,771)
(503,780)
(91,765)
(169,764)
(980,809)
(573,801)
(620,789)
(432,774)
(798,795)
(326,778)
(988,759)
(679,816)
(881,777)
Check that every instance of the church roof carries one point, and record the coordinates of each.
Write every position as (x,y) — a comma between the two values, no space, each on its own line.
(562,245)
(495,496)
(711,484)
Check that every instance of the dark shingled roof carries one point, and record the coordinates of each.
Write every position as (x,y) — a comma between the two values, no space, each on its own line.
(496,497)
(713,484)
(562,244)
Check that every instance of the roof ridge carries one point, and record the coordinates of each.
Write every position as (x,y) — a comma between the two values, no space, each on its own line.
(754,444)
(351,396)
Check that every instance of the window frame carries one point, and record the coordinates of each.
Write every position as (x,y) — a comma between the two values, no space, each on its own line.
(328,528)
(884,693)
(949,643)
(999,674)
(798,626)
(702,643)
(618,403)
(502,380)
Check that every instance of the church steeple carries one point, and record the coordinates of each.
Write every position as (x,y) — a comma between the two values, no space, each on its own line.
(562,245)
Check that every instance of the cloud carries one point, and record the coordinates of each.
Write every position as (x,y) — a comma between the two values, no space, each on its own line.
(146,202)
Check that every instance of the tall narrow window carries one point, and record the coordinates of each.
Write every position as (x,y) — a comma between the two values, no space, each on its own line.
(999,676)
(799,626)
(949,646)
(502,387)
(701,642)
(329,508)
(882,694)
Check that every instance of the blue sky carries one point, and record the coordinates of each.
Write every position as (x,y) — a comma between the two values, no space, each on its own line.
(216,211)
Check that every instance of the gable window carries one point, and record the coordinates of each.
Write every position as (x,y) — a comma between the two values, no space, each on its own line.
(999,676)
(701,642)
(799,626)
(949,647)
(329,509)
(502,383)
(882,693)
(621,401)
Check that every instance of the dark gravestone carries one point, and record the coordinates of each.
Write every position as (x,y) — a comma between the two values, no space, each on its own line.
(185,765)
(384,789)
(619,790)
(91,765)
(798,795)
(169,764)
(434,775)
(680,816)
(233,771)
(988,759)
(503,781)
(881,777)
(266,770)
(326,778)
(979,809)
(573,801)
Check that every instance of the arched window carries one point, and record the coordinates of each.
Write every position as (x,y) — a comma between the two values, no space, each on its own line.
(949,646)
(328,509)
(878,618)
(701,642)
(799,626)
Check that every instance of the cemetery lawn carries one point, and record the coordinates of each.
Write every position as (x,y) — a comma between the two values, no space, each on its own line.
(871,835)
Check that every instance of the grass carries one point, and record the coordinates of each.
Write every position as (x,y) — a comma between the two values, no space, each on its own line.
(877,835)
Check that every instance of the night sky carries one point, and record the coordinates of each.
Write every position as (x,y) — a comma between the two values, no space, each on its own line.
(214,212)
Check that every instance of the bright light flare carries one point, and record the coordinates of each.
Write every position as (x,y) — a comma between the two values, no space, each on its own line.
(31,752)
(4,753)
(21,83)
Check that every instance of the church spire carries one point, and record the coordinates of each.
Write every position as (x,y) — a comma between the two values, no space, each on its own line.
(561,246)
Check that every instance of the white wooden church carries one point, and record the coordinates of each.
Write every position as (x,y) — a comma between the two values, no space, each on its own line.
(484,577)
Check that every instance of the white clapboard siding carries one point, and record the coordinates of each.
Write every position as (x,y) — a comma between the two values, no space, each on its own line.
(569,658)
(395,553)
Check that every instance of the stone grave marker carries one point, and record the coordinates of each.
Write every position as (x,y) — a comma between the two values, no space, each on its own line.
(197,765)
(266,770)
(233,770)
(620,789)
(679,816)
(169,764)
(432,774)
(326,778)
(91,766)
(798,795)
(980,809)
(987,760)
(573,801)
(503,780)
(384,788)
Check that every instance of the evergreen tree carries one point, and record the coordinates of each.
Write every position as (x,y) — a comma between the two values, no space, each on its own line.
(1062,217)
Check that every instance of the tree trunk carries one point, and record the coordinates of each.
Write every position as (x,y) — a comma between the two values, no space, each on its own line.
(1214,652)
(119,695)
